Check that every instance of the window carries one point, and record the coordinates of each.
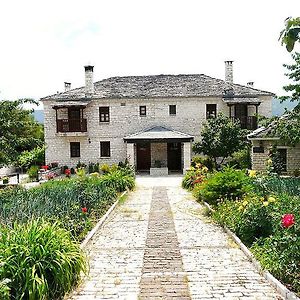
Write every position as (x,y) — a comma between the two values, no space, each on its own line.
(104,114)
(172,110)
(105,149)
(211,111)
(75,149)
(142,110)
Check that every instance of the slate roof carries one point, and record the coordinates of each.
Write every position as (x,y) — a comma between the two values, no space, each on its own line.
(159,86)
(158,133)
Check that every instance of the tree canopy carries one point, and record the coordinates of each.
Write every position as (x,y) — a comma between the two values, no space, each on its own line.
(18,130)
(221,137)
(291,33)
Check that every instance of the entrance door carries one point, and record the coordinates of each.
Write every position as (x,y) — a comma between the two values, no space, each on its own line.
(143,156)
(174,156)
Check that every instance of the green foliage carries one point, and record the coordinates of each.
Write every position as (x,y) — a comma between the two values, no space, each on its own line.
(204,161)
(33,172)
(4,288)
(117,180)
(290,34)
(18,131)
(280,254)
(221,137)
(256,219)
(41,260)
(195,175)
(241,159)
(35,156)
(105,168)
(227,184)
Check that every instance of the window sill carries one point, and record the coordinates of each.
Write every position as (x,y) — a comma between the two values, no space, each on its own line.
(104,157)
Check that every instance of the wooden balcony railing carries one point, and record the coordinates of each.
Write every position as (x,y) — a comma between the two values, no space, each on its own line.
(247,122)
(71,125)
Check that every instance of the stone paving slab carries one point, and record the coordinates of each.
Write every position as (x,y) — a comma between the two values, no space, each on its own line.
(159,245)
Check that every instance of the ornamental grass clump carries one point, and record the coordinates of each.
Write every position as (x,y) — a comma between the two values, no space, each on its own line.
(195,175)
(40,260)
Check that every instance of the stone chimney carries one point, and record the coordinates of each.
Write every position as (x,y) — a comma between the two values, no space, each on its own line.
(250,83)
(228,71)
(67,86)
(89,79)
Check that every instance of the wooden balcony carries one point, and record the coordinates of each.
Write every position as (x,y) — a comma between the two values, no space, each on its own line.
(247,122)
(71,125)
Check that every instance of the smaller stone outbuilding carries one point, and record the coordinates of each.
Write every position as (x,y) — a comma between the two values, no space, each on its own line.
(263,139)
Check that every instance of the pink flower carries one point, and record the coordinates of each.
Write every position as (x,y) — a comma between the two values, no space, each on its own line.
(287,220)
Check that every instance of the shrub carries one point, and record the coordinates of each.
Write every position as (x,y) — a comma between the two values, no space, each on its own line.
(35,156)
(105,168)
(241,159)
(41,260)
(250,218)
(195,175)
(227,184)
(204,161)
(4,288)
(118,181)
(33,172)
(280,254)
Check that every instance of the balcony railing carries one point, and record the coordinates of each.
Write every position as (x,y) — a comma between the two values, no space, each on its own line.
(71,125)
(247,122)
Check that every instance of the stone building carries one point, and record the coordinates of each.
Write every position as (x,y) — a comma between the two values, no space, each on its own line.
(263,139)
(152,120)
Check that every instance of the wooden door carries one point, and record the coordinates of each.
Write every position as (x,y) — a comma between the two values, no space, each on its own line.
(143,156)
(241,113)
(174,157)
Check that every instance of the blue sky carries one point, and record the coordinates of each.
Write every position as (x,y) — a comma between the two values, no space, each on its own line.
(44,43)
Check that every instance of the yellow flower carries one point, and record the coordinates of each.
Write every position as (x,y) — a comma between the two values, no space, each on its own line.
(269,161)
(204,169)
(262,199)
(265,203)
(252,173)
(271,199)
(245,202)
(241,208)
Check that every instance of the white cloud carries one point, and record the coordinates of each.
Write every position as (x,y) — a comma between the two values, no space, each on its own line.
(44,43)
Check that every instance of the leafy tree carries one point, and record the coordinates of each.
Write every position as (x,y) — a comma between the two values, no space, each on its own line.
(290,34)
(18,130)
(221,137)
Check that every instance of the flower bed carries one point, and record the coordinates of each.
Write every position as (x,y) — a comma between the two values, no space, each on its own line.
(64,209)
(264,212)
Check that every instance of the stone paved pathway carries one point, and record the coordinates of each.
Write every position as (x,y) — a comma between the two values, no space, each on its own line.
(158,245)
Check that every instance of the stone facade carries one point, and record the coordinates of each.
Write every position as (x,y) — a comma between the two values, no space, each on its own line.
(259,159)
(125,120)
(120,99)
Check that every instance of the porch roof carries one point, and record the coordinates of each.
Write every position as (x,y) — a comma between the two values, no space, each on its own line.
(246,100)
(158,134)
(67,104)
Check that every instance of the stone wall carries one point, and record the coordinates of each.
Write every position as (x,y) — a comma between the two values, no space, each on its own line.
(259,160)
(159,152)
(125,120)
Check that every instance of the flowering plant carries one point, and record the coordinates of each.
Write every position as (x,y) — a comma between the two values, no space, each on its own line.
(45,167)
(287,220)
(68,172)
(84,210)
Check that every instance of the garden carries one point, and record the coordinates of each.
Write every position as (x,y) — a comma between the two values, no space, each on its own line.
(263,210)
(41,228)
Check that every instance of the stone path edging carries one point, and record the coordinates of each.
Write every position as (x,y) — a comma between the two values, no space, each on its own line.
(280,288)
(101,221)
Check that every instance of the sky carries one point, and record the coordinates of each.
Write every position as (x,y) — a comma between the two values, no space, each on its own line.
(45,43)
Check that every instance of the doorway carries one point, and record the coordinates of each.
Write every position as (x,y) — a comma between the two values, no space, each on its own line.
(143,157)
(174,157)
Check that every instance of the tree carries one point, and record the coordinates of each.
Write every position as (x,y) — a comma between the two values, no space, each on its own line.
(291,33)
(18,130)
(221,137)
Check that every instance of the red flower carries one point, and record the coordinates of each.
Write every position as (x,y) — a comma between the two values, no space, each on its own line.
(68,172)
(287,220)
(84,210)
(45,167)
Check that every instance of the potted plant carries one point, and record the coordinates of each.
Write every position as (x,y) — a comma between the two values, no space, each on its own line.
(5,180)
